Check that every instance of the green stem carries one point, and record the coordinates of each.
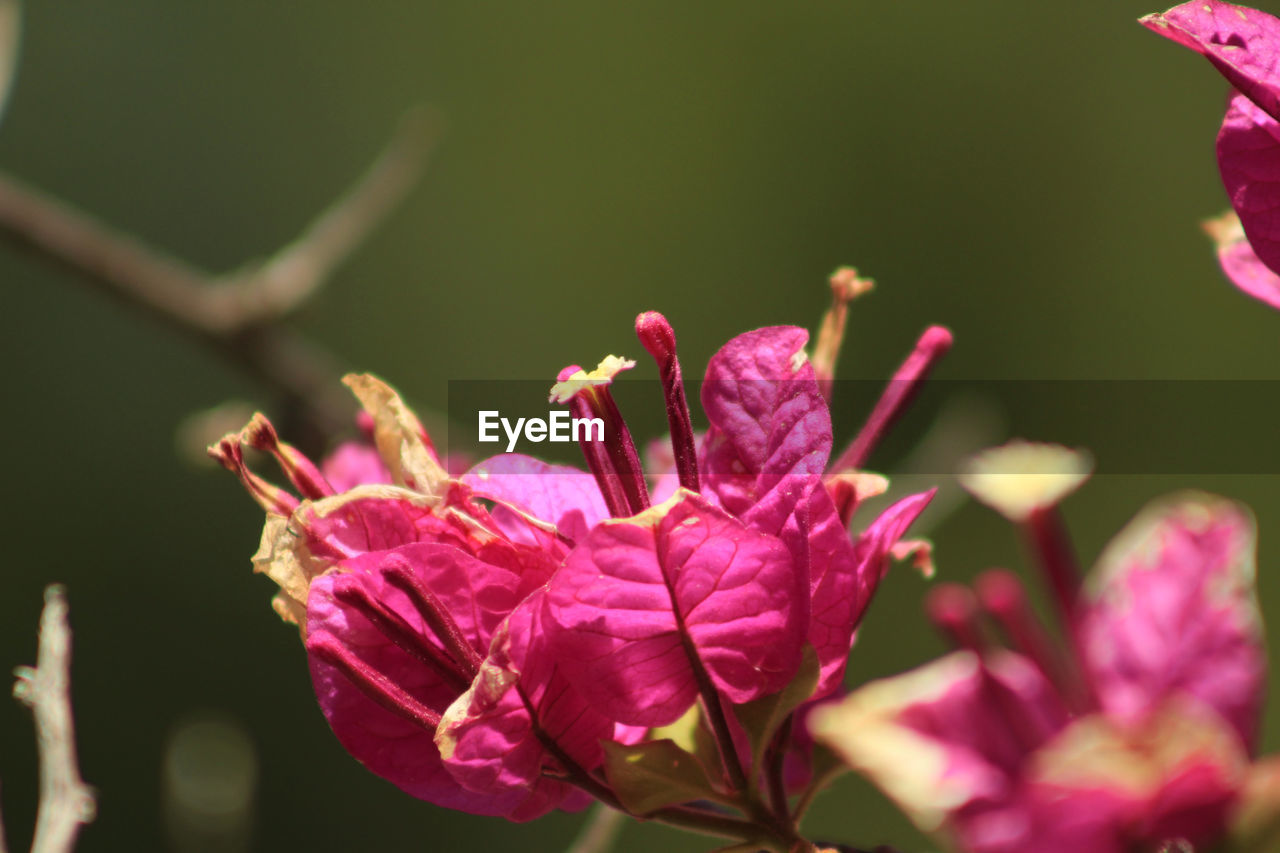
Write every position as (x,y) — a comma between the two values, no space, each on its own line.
(774,758)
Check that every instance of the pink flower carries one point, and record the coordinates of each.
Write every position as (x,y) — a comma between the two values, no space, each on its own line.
(1138,735)
(713,594)
(756,487)
(1244,45)
(408,595)
(482,640)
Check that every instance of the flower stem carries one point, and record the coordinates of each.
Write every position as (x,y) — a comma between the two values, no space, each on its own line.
(436,615)
(774,758)
(1057,558)
(898,394)
(391,625)
(659,340)
(372,683)
(1052,545)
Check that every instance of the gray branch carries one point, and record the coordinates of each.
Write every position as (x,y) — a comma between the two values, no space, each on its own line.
(66,802)
(236,313)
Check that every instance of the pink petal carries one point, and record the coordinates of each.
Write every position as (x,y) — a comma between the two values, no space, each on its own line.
(844,576)
(379,518)
(1176,776)
(949,741)
(354,463)
(1242,43)
(558,494)
(490,740)
(1249,159)
(1171,612)
(373,519)
(479,596)
(770,428)
(640,595)
(1240,263)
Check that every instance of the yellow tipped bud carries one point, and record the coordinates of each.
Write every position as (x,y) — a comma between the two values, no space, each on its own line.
(1021,477)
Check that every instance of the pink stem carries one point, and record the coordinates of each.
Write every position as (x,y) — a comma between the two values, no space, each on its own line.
(897,395)
(371,682)
(953,610)
(391,625)
(436,616)
(659,339)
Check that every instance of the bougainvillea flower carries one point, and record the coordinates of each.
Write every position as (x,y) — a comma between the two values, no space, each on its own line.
(479,639)
(1244,45)
(765,458)
(763,461)
(408,595)
(1135,736)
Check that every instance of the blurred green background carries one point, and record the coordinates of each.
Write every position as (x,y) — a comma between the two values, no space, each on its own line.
(1030,174)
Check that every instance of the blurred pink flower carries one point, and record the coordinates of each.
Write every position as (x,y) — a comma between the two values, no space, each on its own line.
(1137,736)
(1244,45)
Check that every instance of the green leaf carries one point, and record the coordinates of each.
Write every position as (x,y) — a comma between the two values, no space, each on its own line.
(692,734)
(762,717)
(654,774)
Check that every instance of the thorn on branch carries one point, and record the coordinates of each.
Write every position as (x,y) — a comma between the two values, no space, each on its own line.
(66,802)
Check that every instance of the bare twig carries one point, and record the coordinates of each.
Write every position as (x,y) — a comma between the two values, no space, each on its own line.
(600,830)
(236,313)
(288,279)
(211,304)
(66,802)
(10,48)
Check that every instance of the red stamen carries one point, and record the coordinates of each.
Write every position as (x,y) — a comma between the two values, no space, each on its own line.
(902,388)
(659,339)
(1052,546)
(621,449)
(614,461)
(846,286)
(1002,595)
(597,457)
(300,470)
(400,575)
(392,625)
(953,610)
(371,682)
(271,498)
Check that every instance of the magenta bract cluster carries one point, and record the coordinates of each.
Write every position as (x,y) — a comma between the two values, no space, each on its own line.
(1244,45)
(479,639)
(1134,734)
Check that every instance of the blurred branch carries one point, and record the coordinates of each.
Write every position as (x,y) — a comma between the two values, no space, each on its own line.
(66,802)
(237,313)
(600,830)
(10,48)
(212,305)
